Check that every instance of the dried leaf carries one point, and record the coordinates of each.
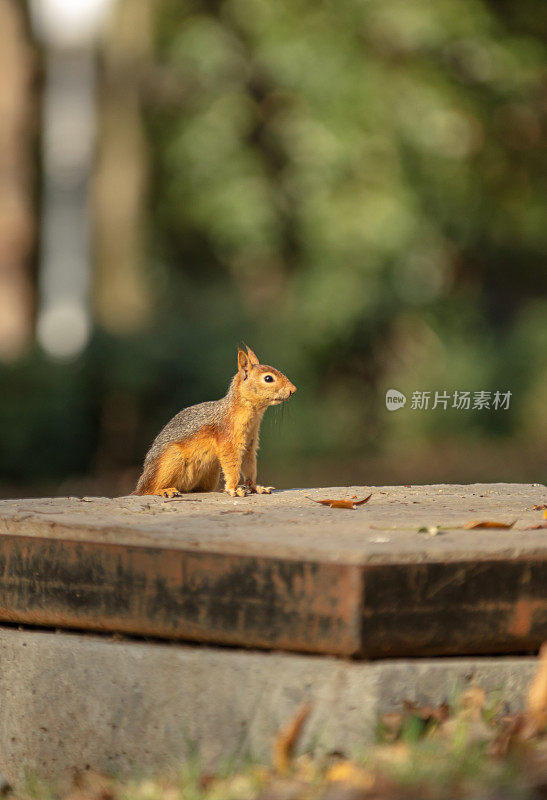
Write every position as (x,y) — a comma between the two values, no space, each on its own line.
(541,507)
(91,785)
(470,713)
(342,504)
(351,504)
(361,502)
(350,774)
(206,780)
(323,502)
(473,701)
(286,739)
(536,701)
(514,728)
(391,725)
(477,523)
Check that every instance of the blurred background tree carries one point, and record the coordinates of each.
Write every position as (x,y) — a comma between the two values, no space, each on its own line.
(357,190)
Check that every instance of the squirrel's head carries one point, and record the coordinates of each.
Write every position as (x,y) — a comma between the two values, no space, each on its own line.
(259,384)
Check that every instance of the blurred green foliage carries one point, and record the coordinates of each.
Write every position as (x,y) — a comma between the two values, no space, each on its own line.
(367,179)
(357,190)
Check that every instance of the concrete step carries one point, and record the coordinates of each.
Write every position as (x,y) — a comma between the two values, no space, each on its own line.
(284,572)
(76,701)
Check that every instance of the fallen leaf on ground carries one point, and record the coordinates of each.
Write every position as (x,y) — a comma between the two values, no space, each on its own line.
(364,500)
(350,774)
(471,714)
(536,701)
(541,507)
(286,739)
(91,785)
(477,523)
(205,780)
(392,724)
(518,727)
(473,701)
(352,504)
(343,504)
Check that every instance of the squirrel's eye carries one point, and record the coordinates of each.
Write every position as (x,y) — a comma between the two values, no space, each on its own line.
(269,378)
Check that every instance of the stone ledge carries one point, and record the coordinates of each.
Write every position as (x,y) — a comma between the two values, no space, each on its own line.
(71,701)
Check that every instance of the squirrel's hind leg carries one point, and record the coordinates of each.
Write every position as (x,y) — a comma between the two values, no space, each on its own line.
(180,467)
(165,477)
(209,481)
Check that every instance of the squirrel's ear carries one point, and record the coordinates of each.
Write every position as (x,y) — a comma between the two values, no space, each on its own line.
(253,358)
(242,363)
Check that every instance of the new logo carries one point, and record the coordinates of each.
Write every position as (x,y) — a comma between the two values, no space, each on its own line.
(394,400)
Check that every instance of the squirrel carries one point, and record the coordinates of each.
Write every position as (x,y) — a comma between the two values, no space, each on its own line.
(197,443)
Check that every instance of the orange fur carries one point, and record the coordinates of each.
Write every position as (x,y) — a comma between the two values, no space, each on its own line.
(167,468)
(188,466)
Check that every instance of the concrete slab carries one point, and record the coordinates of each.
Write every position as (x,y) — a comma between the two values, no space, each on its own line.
(284,572)
(71,701)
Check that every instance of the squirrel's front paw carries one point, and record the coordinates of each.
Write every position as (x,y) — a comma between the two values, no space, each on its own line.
(239,491)
(171,492)
(256,489)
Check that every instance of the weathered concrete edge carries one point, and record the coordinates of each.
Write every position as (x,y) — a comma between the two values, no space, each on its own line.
(70,701)
(428,608)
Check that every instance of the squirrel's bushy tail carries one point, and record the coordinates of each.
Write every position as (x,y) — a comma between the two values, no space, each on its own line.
(145,484)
